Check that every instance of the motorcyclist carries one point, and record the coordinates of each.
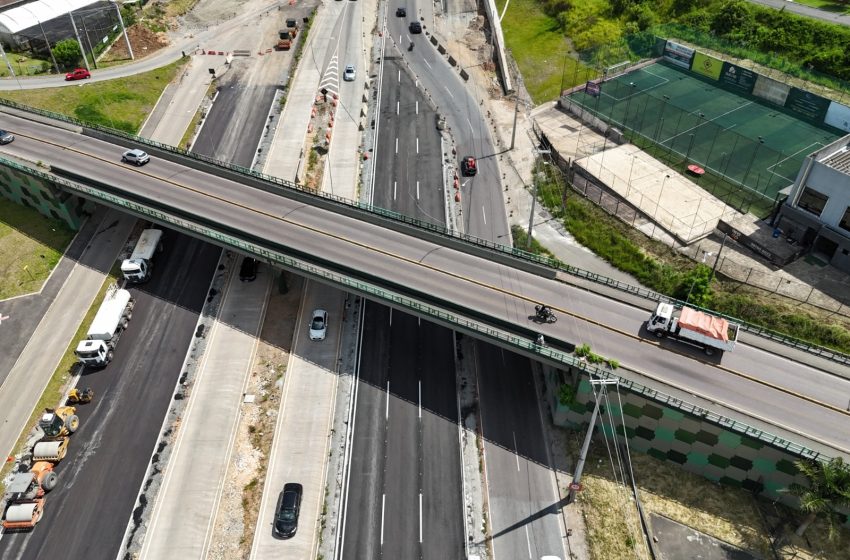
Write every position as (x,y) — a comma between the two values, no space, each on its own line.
(543,312)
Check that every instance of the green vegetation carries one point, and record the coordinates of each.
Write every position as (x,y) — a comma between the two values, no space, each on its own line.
(541,33)
(30,246)
(827,492)
(122,103)
(58,383)
(67,53)
(585,352)
(662,269)
(538,45)
(24,64)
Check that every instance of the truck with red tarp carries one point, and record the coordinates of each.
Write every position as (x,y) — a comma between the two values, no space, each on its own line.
(696,327)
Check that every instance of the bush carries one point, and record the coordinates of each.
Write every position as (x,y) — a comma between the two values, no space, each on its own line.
(67,53)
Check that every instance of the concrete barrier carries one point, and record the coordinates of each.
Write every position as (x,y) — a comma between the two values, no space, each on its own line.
(499,44)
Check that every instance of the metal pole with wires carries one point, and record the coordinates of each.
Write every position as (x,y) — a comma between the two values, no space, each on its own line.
(538,151)
(575,486)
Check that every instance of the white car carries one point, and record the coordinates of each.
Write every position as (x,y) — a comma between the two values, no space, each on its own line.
(319,324)
(349,73)
(135,156)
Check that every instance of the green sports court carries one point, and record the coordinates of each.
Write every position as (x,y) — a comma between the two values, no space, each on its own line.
(748,142)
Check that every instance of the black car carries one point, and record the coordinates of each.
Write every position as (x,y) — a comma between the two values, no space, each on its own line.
(6,137)
(415,27)
(248,270)
(401,12)
(286,513)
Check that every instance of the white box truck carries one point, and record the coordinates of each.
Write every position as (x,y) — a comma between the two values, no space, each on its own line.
(138,267)
(110,321)
(696,327)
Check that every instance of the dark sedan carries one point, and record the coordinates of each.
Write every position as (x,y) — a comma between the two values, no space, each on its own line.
(286,513)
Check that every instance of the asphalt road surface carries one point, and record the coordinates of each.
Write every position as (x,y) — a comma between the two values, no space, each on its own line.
(405,487)
(408,170)
(762,388)
(481,196)
(85,516)
(524,509)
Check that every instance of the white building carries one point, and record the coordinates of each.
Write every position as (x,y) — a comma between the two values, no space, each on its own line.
(817,211)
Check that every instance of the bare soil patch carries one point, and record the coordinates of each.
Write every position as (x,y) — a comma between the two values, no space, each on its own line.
(143,40)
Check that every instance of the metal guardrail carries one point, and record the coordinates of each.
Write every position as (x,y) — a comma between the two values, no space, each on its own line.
(455,321)
(366,209)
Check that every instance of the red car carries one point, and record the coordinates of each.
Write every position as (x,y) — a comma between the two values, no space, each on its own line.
(78,74)
(468,167)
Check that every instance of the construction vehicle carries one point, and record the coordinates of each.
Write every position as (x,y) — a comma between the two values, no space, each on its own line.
(75,396)
(695,327)
(138,267)
(52,450)
(25,497)
(111,320)
(58,423)
(287,36)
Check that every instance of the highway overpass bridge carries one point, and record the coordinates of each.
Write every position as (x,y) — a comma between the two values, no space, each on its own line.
(486,290)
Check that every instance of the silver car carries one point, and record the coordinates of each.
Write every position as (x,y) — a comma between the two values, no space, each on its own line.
(6,137)
(349,73)
(319,324)
(135,156)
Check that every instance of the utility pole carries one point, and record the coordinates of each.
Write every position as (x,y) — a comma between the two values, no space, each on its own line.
(79,41)
(124,29)
(717,260)
(516,112)
(538,151)
(582,458)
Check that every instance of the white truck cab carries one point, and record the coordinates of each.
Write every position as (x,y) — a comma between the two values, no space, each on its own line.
(138,267)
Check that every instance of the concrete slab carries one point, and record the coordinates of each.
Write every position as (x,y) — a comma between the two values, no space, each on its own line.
(677,541)
(672,201)
(186,505)
(302,436)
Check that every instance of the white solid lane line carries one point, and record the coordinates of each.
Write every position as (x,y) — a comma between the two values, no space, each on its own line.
(527,539)
(387,413)
(426,63)
(420,404)
(396,107)
(417,190)
(516,452)
(383,504)
(420,517)
(484,214)
(396,145)
(395,185)
(417,144)
(417,107)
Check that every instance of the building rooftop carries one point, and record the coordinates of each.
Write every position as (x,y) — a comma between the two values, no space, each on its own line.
(840,160)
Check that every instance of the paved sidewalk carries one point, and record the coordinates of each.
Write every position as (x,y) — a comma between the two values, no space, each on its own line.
(187,502)
(27,379)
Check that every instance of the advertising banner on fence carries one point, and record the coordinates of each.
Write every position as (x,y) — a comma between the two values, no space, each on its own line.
(838,115)
(771,90)
(737,79)
(680,55)
(807,104)
(707,65)
(593,88)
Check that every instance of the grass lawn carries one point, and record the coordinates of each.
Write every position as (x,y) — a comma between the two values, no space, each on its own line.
(827,5)
(30,246)
(539,47)
(24,65)
(123,103)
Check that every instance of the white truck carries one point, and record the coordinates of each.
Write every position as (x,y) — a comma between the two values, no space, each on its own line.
(138,267)
(110,321)
(696,327)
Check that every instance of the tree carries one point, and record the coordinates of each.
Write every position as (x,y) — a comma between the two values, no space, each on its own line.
(695,286)
(732,18)
(67,53)
(828,490)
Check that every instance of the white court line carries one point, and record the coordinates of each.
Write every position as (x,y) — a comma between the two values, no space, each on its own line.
(706,121)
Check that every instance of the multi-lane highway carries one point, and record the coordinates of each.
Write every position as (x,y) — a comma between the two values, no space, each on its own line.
(495,292)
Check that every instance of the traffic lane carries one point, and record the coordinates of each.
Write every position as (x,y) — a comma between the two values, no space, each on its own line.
(305,227)
(804,379)
(402,522)
(361,535)
(225,140)
(118,431)
(523,499)
(442,485)
(412,184)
